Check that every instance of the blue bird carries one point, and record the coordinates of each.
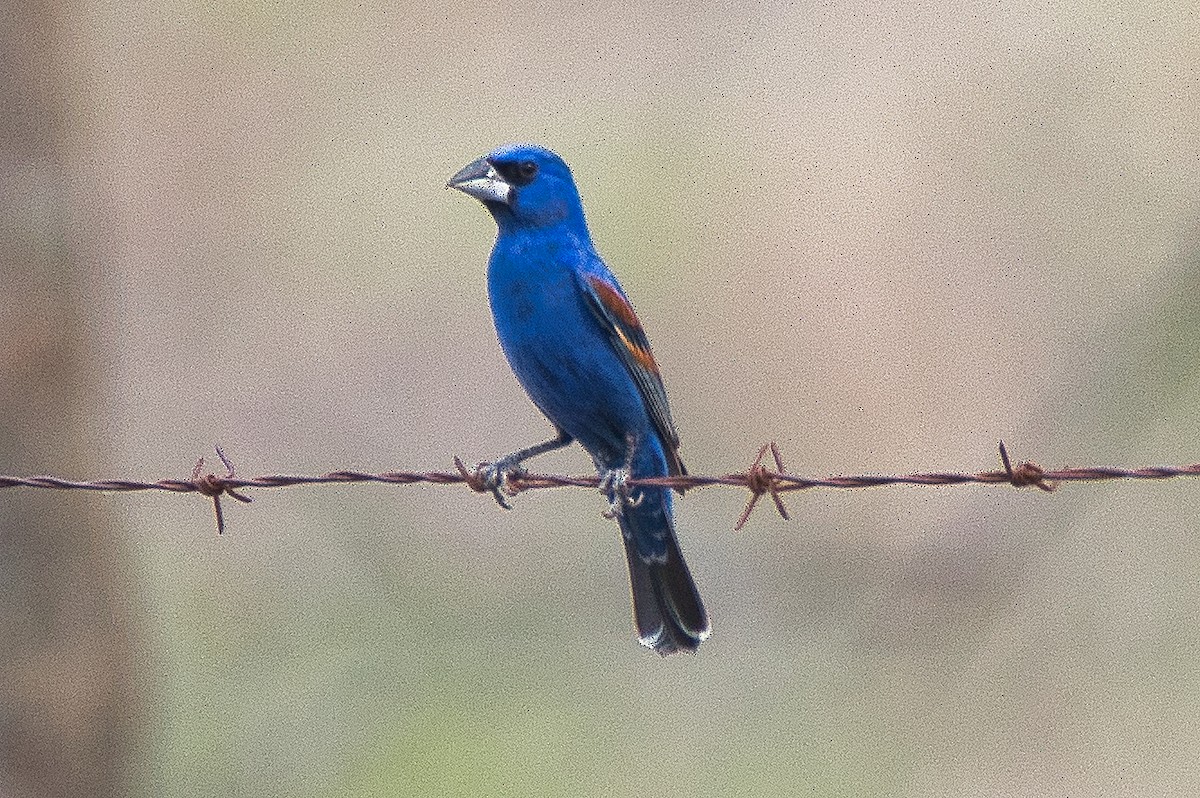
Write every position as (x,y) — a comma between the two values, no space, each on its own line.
(576,346)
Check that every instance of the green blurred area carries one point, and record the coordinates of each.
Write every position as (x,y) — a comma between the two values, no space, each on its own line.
(883,238)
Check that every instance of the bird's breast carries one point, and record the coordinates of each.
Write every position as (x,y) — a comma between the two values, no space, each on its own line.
(531,285)
(561,354)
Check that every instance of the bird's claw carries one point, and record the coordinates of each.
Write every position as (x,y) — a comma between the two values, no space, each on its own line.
(497,478)
(614,485)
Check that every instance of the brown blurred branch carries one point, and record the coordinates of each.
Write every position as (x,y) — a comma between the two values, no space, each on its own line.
(758,479)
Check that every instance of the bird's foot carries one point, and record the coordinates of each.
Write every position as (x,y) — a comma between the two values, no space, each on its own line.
(614,485)
(497,478)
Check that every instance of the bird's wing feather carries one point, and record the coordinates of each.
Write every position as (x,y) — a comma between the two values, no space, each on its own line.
(615,313)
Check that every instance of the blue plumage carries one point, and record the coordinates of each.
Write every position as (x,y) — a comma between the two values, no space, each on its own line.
(578,349)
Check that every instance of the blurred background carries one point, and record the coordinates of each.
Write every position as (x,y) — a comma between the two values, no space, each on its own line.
(885,239)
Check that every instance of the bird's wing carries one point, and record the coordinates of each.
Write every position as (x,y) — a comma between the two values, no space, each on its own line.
(616,315)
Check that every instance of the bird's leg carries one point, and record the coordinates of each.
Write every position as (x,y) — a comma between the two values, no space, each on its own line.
(614,483)
(495,475)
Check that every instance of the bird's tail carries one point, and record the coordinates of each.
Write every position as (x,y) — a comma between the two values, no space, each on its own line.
(666,605)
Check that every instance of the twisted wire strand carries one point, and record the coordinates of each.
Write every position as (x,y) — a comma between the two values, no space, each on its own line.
(759,479)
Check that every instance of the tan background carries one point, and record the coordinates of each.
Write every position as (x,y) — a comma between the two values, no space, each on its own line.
(883,238)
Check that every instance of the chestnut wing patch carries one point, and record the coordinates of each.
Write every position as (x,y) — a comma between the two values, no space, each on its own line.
(629,339)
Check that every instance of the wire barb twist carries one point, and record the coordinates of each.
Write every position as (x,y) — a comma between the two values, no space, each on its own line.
(760,480)
(215,486)
(1025,473)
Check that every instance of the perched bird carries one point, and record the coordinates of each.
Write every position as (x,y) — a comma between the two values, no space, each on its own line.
(578,349)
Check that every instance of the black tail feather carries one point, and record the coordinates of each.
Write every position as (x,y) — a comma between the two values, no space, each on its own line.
(666,605)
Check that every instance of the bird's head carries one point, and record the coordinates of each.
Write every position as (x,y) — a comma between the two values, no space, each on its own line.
(523,185)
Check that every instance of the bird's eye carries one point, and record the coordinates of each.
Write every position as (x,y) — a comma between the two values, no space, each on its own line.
(518,173)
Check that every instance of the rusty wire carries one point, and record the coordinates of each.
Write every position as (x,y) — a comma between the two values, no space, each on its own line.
(758,479)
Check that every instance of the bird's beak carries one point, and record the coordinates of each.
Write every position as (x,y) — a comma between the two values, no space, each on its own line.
(480,179)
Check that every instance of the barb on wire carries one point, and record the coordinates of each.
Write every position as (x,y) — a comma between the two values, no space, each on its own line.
(213,486)
(758,479)
(1025,473)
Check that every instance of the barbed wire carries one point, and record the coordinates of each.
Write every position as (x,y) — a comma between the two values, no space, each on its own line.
(758,479)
